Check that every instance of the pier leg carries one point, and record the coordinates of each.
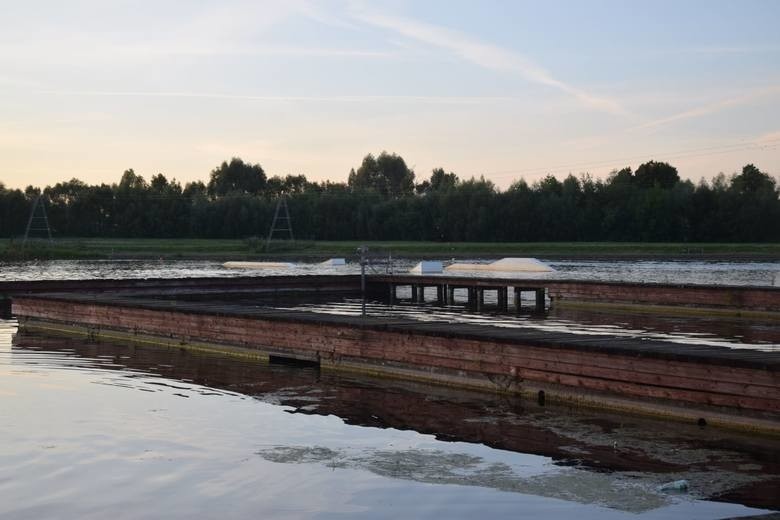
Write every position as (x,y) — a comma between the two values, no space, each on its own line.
(518,299)
(393,294)
(503,298)
(414,293)
(472,296)
(480,298)
(441,295)
(540,300)
(421,294)
(450,294)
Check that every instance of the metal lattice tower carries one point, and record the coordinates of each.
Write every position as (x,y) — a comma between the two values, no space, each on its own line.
(38,220)
(281,223)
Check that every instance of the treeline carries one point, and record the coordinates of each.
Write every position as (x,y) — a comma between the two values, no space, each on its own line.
(383,200)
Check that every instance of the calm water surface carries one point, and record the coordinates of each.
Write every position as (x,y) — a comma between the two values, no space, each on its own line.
(697,272)
(99,430)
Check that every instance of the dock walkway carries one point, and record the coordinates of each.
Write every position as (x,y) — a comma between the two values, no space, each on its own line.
(736,387)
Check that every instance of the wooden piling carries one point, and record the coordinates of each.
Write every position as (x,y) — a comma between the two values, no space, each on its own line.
(472,296)
(503,298)
(539,300)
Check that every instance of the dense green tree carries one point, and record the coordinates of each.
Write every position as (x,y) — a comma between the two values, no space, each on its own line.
(386,174)
(193,190)
(439,181)
(654,173)
(752,180)
(753,200)
(237,177)
(289,185)
(649,205)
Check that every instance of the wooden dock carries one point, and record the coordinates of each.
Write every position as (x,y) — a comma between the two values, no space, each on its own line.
(733,299)
(732,387)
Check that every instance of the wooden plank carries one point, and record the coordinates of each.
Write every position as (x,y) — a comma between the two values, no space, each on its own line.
(418,345)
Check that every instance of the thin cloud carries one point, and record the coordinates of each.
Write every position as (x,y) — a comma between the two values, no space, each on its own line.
(87,51)
(254,50)
(733,49)
(710,108)
(768,139)
(455,100)
(485,55)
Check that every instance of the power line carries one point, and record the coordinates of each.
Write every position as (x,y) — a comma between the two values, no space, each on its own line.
(694,152)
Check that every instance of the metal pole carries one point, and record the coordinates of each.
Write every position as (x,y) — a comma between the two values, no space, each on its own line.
(362,250)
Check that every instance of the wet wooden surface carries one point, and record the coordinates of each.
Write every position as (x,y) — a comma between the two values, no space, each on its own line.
(639,347)
(739,379)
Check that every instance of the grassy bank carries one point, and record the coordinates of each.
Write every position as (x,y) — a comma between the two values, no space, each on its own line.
(120,248)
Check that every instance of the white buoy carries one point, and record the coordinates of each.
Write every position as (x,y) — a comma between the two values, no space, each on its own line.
(427,267)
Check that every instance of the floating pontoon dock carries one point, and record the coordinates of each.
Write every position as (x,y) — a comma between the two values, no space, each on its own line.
(728,386)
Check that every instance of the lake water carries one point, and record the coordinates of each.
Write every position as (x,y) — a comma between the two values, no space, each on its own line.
(102,430)
(696,272)
(108,431)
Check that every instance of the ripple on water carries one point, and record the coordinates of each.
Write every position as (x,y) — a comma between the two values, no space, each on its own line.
(92,430)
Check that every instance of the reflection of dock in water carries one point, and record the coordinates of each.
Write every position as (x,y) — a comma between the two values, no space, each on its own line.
(586,439)
(717,384)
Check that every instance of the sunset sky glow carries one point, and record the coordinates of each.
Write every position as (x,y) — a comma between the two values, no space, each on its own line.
(504,89)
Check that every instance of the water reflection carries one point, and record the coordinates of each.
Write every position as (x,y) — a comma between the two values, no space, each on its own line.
(755,334)
(105,428)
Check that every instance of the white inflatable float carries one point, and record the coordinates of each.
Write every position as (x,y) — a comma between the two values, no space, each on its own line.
(333,262)
(257,265)
(514,265)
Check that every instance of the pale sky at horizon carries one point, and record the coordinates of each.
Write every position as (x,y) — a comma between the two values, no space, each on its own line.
(504,89)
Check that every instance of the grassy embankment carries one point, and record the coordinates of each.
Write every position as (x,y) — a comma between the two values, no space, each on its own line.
(237,249)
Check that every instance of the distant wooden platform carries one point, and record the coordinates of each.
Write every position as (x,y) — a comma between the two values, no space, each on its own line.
(561,292)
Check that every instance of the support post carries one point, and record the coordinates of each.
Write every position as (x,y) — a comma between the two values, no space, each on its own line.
(441,295)
(480,298)
(503,298)
(540,300)
(518,299)
(472,296)
(362,250)
(414,293)
(450,294)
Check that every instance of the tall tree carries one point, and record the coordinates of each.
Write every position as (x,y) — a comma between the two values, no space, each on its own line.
(752,180)
(236,177)
(386,174)
(653,173)
(441,181)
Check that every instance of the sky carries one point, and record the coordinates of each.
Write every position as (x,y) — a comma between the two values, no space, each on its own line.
(504,89)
